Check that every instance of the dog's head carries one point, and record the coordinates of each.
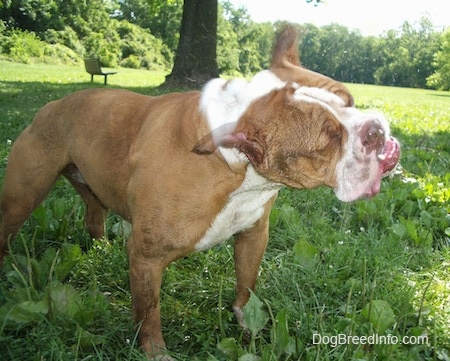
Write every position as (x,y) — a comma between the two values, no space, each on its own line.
(298,128)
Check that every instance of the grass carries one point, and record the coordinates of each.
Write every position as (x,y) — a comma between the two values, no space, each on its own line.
(377,267)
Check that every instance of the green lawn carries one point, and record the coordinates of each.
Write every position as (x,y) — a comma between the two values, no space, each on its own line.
(376,267)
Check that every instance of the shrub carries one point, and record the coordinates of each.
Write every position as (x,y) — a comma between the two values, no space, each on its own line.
(22,46)
(26,47)
(131,62)
(121,43)
(67,37)
(104,46)
(57,53)
(153,54)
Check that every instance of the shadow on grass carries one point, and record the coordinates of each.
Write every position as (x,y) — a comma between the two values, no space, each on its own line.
(440,95)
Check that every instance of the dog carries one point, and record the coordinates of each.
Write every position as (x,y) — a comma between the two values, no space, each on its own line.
(190,170)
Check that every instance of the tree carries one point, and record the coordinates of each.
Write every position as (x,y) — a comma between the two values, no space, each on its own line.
(162,18)
(441,77)
(253,40)
(196,56)
(408,55)
(39,15)
(228,49)
(195,59)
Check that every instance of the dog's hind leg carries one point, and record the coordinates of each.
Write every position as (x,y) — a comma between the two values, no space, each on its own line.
(95,211)
(34,165)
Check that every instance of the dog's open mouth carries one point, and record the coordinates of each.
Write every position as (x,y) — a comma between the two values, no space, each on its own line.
(390,156)
(388,159)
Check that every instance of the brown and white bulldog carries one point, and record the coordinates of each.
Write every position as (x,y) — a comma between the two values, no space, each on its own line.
(189,170)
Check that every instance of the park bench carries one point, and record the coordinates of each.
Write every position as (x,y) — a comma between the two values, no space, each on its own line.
(93,67)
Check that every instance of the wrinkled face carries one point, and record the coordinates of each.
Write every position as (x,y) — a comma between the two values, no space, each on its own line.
(298,128)
(299,136)
(350,150)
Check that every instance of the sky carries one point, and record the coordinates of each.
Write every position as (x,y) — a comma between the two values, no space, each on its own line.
(371,17)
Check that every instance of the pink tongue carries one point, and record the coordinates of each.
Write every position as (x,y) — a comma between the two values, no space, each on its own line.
(388,161)
(391,156)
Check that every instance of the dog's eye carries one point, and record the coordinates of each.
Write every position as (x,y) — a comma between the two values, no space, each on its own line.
(334,133)
(295,155)
(337,134)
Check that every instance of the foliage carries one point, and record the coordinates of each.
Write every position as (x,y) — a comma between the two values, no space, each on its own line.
(228,48)
(161,18)
(325,49)
(26,47)
(84,27)
(147,32)
(441,77)
(38,295)
(408,58)
(107,48)
(378,266)
(141,44)
(248,42)
(131,61)
(66,37)
(401,58)
(22,45)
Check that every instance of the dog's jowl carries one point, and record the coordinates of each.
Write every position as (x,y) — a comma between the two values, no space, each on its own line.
(189,170)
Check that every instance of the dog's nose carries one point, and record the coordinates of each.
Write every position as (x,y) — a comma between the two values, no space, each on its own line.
(373,136)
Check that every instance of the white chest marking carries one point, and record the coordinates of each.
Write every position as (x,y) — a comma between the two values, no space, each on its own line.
(244,207)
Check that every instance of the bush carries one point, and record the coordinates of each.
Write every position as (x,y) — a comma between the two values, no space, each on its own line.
(131,62)
(104,46)
(67,37)
(22,46)
(57,54)
(153,62)
(26,47)
(121,43)
(140,43)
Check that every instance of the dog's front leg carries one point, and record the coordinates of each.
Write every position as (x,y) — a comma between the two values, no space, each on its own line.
(146,270)
(249,248)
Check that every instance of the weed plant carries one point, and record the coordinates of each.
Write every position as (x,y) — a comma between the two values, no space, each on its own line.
(376,267)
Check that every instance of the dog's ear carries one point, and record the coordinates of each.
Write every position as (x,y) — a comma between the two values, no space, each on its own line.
(223,101)
(226,137)
(286,49)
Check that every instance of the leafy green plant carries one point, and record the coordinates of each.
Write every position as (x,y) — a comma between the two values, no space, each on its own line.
(26,47)
(103,46)
(131,62)
(255,319)
(380,315)
(59,220)
(38,295)
(139,44)
(23,46)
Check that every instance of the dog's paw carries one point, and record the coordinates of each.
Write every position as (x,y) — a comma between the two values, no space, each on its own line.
(162,357)
(239,314)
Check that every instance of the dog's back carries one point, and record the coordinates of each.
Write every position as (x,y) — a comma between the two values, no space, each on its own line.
(86,136)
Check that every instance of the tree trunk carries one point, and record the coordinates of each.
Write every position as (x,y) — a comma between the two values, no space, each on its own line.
(196,56)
